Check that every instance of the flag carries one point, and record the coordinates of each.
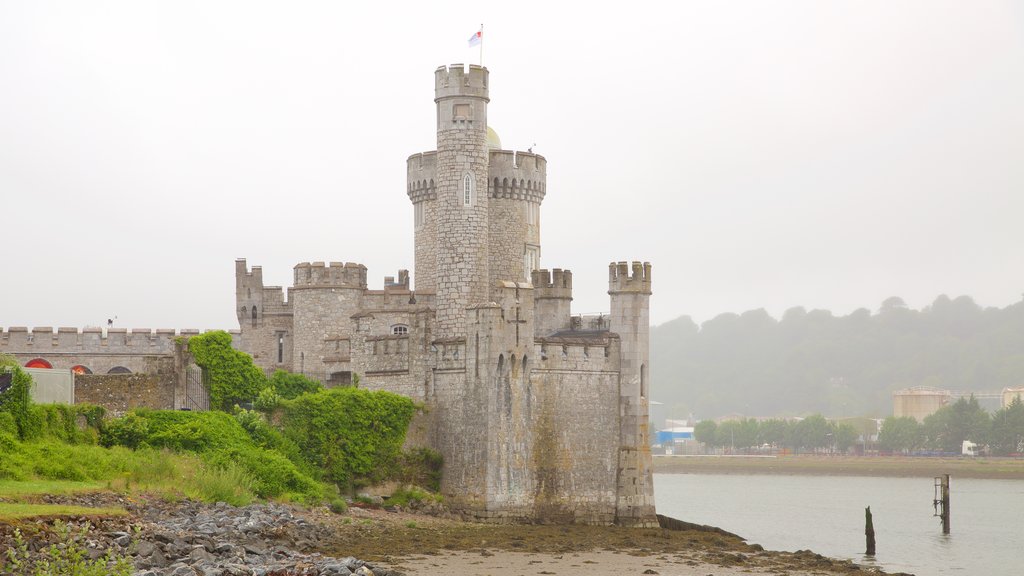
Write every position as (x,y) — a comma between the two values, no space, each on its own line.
(476,39)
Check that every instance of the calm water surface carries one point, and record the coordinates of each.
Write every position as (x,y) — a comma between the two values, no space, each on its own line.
(826,514)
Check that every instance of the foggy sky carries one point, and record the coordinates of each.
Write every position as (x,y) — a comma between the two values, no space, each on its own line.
(759,154)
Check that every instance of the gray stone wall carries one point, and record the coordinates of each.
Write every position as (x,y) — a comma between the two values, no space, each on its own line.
(462,258)
(140,350)
(630,290)
(119,393)
(422,191)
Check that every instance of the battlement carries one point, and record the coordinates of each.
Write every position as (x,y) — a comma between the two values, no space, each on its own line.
(44,341)
(456,80)
(622,279)
(336,274)
(555,283)
(242,271)
(421,170)
(519,175)
(402,284)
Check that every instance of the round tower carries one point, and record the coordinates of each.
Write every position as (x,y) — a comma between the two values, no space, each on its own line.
(461,205)
(517,182)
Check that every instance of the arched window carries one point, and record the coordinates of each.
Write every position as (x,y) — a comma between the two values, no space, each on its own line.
(119,370)
(467,190)
(79,369)
(38,363)
(253,316)
(400,329)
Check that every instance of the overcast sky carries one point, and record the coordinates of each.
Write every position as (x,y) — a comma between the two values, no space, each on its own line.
(759,154)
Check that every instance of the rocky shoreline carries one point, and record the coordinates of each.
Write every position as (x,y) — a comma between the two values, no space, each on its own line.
(188,538)
(196,539)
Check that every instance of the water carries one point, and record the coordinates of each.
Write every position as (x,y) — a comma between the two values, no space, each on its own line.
(826,514)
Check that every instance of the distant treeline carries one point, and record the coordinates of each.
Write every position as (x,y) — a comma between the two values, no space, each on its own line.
(813,362)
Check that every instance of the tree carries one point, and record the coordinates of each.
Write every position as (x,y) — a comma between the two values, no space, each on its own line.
(1007,435)
(811,432)
(901,434)
(950,426)
(845,435)
(705,432)
(773,432)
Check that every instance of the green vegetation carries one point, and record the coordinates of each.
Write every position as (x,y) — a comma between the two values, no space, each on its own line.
(69,557)
(222,442)
(811,433)
(406,496)
(10,511)
(355,436)
(233,377)
(814,362)
(948,428)
(346,437)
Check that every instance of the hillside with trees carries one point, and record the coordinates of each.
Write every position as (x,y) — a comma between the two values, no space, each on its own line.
(814,362)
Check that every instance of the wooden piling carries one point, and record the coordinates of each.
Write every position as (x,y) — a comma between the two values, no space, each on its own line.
(945,504)
(869,532)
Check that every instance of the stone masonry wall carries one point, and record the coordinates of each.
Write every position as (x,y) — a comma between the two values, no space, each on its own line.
(119,393)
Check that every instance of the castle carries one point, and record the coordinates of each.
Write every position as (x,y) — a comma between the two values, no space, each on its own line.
(540,415)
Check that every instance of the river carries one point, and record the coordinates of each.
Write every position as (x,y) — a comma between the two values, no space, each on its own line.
(826,515)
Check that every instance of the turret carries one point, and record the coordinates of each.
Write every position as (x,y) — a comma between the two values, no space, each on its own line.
(462,203)
(552,294)
(517,184)
(630,289)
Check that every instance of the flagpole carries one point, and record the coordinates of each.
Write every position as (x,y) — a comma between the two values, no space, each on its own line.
(481,45)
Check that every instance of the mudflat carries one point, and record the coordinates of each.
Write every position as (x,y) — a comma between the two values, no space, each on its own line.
(893,466)
(416,544)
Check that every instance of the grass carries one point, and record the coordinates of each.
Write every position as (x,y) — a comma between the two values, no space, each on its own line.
(30,487)
(10,511)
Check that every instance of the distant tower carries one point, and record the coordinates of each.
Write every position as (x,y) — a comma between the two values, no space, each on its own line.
(462,274)
(630,291)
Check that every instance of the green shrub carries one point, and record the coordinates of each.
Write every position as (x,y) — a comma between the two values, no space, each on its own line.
(266,436)
(420,467)
(230,483)
(17,400)
(289,386)
(233,377)
(338,506)
(405,496)
(222,442)
(129,430)
(7,424)
(354,435)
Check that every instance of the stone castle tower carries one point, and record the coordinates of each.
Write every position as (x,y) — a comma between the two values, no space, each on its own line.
(540,415)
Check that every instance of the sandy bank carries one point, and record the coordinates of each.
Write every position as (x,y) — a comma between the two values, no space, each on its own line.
(892,466)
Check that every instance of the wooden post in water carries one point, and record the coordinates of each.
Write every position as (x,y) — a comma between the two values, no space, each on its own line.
(869,532)
(945,504)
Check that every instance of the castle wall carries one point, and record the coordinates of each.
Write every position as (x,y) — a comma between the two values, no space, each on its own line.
(422,190)
(462,259)
(140,350)
(324,299)
(553,300)
(630,289)
(516,183)
(119,393)
(264,319)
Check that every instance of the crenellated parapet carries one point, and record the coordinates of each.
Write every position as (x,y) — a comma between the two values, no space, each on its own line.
(334,275)
(421,175)
(622,277)
(517,175)
(459,81)
(555,283)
